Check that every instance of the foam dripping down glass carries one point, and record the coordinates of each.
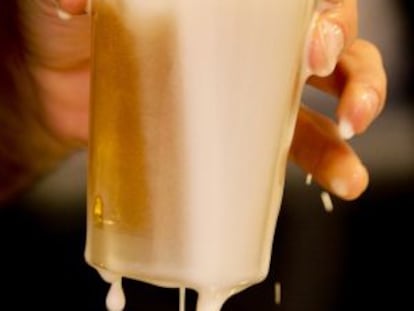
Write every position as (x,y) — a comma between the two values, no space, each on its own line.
(193,107)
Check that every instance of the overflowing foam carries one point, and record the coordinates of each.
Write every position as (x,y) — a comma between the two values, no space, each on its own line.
(189,139)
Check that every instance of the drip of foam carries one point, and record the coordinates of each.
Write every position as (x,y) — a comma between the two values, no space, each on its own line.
(108,276)
(208,304)
(327,201)
(278,293)
(309,178)
(115,299)
(325,197)
(182,299)
(212,300)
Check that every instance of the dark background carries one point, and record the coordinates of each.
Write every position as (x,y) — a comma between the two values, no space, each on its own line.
(357,257)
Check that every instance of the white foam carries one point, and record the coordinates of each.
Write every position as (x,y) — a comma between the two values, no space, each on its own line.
(327,201)
(108,276)
(309,178)
(278,293)
(182,299)
(115,299)
(211,300)
(236,65)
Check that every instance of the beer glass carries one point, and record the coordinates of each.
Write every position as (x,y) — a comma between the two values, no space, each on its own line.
(193,108)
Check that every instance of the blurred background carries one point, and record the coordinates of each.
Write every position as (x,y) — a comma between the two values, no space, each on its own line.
(356,257)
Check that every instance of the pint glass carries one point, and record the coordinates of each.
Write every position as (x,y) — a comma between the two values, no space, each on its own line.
(193,107)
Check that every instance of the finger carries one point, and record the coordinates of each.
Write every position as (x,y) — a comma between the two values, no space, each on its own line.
(75,7)
(335,29)
(319,150)
(363,97)
(49,42)
(343,13)
(361,83)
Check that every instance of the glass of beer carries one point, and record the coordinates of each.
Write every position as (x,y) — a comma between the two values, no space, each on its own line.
(193,108)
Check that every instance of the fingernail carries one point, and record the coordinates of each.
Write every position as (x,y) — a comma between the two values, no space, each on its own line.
(88,6)
(62,14)
(339,187)
(325,5)
(345,129)
(370,100)
(333,43)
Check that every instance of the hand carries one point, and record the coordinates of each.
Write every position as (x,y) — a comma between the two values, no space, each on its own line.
(44,90)
(56,61)
(359,81)
(56,54)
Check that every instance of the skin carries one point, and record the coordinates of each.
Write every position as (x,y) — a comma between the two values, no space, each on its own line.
(50,70)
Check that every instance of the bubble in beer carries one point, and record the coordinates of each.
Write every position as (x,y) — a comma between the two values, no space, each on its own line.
(98,210)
